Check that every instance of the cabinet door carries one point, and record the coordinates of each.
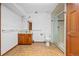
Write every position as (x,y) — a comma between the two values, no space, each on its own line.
(29,38)
(24,39)
(20,38)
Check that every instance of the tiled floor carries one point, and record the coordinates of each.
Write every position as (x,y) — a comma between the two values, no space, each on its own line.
(36,49)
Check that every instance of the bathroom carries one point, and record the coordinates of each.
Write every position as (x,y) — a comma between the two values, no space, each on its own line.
(29,23)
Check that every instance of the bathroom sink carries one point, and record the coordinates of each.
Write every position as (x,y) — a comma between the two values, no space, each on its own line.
(25,32)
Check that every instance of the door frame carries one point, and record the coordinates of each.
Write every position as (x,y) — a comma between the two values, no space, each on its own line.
(0,29)
(65,27)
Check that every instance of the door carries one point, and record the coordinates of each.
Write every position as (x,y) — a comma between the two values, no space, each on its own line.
(72,29)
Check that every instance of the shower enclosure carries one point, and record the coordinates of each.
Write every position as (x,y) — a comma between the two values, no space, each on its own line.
(58,26)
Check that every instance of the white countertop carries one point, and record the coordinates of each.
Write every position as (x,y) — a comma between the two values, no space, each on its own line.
(25,32)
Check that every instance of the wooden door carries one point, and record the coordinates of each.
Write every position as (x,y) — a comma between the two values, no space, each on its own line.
(72,29)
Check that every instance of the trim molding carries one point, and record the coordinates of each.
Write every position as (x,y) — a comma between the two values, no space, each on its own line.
(0,29)
(38,41)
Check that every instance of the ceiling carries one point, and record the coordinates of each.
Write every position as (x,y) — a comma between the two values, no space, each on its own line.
(24,8)
(40,7)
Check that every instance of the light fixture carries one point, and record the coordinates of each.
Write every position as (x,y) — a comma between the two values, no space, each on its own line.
(36,12)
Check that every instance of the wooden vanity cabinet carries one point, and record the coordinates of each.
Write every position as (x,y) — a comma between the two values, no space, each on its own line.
(24,39)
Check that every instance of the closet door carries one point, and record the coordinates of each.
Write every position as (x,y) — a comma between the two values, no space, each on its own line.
(73,29)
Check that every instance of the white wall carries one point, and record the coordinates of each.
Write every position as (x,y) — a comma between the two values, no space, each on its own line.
(10,22)
(41,23)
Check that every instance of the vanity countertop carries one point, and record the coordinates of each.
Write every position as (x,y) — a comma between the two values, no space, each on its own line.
(24,32)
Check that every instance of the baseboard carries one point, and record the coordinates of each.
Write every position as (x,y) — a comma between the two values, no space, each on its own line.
(38,41)
(9,50)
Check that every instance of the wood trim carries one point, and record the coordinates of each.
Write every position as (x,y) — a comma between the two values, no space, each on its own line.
(0,29)
(9,50)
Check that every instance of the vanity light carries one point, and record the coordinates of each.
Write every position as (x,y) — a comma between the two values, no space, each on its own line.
(36,12)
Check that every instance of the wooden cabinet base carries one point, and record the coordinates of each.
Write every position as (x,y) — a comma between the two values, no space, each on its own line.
(24,39)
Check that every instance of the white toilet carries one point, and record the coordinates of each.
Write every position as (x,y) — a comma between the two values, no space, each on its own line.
(47,38)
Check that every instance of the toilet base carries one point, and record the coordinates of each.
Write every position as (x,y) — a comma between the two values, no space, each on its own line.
(47,43)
